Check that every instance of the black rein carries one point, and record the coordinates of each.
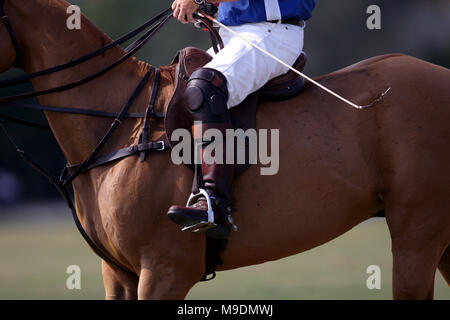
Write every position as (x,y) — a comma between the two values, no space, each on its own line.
(67,177)
(72,171)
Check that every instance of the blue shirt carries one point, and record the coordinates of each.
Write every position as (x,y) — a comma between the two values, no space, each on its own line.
(247,11)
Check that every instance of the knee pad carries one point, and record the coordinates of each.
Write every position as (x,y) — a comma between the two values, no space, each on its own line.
(207,95)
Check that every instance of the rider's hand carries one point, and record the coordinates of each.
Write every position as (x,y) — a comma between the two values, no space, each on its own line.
(184,9)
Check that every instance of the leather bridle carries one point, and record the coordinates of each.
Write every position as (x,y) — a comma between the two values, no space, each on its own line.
(72,171)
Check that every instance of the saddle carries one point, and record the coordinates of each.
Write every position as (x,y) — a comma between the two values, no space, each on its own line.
(243,116)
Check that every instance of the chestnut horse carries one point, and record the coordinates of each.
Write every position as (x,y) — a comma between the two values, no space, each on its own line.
(338,166)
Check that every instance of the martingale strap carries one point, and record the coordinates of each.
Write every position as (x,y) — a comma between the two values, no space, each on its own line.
(67,198)
(123,153)
(66,178)
(93,161)
(117,121)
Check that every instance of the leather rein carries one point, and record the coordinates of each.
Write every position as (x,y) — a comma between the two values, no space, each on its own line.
(70,171)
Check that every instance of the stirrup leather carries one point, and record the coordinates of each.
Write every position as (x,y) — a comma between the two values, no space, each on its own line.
(204,225)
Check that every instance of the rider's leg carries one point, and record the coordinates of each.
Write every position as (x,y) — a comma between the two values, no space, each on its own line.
(206,98)
(247,69)
(235,72)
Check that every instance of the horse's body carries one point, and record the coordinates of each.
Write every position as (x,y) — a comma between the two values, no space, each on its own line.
(338,166)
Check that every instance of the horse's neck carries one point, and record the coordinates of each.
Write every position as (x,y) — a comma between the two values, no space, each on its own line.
(56,44)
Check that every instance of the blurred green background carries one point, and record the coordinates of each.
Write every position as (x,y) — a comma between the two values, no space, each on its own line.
(34,257)
(38,240)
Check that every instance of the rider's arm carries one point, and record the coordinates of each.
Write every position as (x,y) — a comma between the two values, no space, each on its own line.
(184,9)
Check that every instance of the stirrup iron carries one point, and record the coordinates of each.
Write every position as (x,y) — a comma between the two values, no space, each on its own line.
(204,225)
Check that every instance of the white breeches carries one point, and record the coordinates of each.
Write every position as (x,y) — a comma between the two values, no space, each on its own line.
(248,69)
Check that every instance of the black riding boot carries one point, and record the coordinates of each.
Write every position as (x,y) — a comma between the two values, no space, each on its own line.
(209,207)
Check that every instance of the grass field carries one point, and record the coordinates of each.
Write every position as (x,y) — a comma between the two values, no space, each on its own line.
(34,257)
